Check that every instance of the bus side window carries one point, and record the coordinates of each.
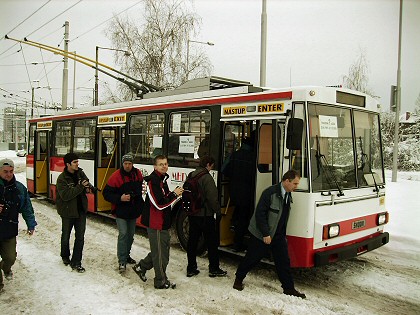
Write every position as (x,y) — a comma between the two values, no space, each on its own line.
(264,149)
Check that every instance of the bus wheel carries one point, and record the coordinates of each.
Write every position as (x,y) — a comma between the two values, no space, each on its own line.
(182,230)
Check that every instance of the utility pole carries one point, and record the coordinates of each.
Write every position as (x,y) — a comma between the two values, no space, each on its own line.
(74,83)
(65,86)
(263,54)
(96,78)
(32,104)
(398,107)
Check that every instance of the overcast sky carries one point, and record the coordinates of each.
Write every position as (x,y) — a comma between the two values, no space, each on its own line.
(310,42)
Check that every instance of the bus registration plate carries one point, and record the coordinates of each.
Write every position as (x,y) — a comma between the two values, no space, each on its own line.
(358,224)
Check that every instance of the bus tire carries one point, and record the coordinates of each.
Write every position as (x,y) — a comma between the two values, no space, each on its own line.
(182,230)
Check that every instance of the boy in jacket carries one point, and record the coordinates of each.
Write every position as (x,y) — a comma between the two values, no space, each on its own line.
(156,217)
(14,199)
(124,190)
(72,205)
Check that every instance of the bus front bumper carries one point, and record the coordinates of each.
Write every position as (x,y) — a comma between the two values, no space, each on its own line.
(350,251)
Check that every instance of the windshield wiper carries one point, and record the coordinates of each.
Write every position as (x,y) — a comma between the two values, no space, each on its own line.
(364,159)
(326,168)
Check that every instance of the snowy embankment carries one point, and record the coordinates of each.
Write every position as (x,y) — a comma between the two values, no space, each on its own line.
(385,281)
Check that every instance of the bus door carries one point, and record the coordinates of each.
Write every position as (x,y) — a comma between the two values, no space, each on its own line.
(41,165)
(233,135)
(108,158)
(269,152)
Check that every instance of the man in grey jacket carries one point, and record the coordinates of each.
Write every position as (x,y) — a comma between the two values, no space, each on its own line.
(268,232)
(204,223)
(72,205)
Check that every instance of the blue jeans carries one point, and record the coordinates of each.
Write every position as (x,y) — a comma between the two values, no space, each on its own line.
(79,225)
(126,230)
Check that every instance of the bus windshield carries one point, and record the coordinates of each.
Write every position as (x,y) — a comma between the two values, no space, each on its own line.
(337,160)
(332,154)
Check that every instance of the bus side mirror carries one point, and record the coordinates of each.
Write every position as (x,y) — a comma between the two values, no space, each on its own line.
(294,134)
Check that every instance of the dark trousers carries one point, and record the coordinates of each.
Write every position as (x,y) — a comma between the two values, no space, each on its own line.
(158,258)
(240,219)
(79,225)
(257,250)
(205,226)
(8,255)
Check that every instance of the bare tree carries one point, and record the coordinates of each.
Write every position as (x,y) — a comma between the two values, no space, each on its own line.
(158,46)
(358,76)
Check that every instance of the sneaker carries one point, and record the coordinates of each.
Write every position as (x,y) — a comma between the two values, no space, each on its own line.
(78,268)
(8,275)
(192,273)
(238,285)
(121,268)
(66,261)
(130,260)
(140,272)
(217,273)
(294,292)
(166,285)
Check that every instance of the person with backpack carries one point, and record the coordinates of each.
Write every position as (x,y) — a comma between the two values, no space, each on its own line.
(124,191)
(202,217)
(156,217)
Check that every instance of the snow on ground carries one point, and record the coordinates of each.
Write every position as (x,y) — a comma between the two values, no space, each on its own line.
(385,281)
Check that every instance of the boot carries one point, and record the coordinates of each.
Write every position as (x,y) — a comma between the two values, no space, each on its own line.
(238,285)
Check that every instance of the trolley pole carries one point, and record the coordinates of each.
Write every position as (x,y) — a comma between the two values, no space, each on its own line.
(65,86)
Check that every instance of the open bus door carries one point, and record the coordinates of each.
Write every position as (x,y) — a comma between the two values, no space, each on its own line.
(41,163)
(107,160)
(267,143)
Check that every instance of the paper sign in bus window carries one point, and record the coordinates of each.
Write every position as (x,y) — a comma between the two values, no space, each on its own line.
(328,127)
(186,144)
(157,141)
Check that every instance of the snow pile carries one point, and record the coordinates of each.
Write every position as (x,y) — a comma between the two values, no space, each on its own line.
(385,281)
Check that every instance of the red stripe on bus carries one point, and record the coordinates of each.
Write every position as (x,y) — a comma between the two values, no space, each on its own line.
(195,103)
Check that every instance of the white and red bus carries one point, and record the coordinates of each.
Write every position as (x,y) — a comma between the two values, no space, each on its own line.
(330,135)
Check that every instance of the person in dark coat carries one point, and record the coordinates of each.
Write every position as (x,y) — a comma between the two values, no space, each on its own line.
(268,233)
(204,222)
(156,217)
(14,199)
(124,190)
(72,205)
(240,168)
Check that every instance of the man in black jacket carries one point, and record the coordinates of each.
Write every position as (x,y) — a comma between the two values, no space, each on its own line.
(124,190)
(204,223)
(72,205)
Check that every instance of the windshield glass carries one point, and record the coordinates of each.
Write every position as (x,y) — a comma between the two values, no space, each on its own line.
(368,149)
(331,148)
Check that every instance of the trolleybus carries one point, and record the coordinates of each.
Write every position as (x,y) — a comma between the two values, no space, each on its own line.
(330,135)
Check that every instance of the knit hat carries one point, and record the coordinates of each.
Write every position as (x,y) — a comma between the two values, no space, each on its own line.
(128,158)
(6,162)
(70,157)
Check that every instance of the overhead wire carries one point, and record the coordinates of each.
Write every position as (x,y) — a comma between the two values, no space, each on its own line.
(46,75)
(27,18)
(26,65)
(61,13)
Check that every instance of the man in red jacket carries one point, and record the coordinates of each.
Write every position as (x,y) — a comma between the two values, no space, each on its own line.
(157,217)
(124,190)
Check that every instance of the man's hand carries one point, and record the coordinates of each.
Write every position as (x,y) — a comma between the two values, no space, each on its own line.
(178,191)
(267,240)
(1,207)
(125,197)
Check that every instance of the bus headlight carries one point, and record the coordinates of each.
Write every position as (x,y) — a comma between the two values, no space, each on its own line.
(331,230)
(382,218)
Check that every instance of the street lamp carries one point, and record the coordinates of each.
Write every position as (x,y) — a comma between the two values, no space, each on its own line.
(126,53)
(33,96)
(188,52)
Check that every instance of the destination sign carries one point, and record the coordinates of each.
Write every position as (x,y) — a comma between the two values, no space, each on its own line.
(112,119)
(44,125)
(237,110)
